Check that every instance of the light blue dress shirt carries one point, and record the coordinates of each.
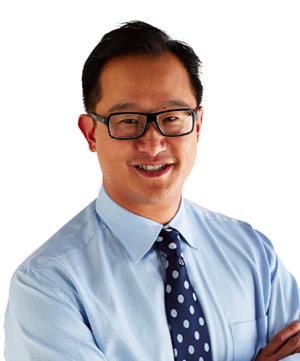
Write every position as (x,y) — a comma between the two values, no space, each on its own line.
(95,290)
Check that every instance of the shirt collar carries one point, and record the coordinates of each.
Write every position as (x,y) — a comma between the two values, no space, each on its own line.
(137,233)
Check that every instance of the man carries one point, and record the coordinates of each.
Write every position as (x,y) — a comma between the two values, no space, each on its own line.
(142,274)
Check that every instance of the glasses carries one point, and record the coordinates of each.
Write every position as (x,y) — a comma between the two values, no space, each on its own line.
(170,123)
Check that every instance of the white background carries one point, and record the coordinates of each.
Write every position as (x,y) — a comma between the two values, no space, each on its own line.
(248,160)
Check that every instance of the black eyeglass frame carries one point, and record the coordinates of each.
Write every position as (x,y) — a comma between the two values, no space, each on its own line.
(151,117)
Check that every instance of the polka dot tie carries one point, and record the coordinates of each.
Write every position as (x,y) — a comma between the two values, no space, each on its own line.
(189,331)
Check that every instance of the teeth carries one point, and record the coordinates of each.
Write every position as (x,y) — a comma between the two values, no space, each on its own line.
(151,167)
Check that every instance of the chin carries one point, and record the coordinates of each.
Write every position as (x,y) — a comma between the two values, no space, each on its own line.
(157,194)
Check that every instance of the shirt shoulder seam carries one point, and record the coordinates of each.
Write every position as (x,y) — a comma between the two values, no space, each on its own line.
(215,215)
(35,269)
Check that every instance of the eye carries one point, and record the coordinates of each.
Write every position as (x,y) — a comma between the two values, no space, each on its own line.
(129,121)
(170,119)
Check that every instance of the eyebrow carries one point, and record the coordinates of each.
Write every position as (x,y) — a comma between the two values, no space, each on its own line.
(121,106)
(168,103)
(175,103)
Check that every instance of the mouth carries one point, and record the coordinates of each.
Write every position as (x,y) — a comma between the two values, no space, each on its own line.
(153,170)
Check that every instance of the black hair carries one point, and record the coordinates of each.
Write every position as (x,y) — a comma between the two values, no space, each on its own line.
(132,38)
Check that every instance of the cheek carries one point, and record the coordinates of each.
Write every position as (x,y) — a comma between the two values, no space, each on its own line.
(108,160)
(187,149)
(105,153)
(112,154)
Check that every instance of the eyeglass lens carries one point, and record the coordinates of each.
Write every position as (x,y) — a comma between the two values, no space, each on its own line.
(128,125)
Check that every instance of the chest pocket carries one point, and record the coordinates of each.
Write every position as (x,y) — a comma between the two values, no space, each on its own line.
(248,338)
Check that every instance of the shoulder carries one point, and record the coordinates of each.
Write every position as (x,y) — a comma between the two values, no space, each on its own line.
(206,214)
(59,265)
(229,232)
(74,237)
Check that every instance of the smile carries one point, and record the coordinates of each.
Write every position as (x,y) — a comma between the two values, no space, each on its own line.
(150,168)
(153,170)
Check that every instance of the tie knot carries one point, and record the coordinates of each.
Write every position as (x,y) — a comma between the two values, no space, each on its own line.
(168,242)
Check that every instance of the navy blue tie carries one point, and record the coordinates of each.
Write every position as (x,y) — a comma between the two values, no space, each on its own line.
(189,331)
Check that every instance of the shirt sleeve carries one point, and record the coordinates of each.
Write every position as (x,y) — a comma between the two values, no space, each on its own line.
(43,322)
(283,306)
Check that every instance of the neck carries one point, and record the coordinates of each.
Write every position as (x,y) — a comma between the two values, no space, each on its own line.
(160,211)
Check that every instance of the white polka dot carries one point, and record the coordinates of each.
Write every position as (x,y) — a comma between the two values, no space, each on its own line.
(178,237)
(168,288)
(159,239)
(167,264)
(191,349)
(175,352)
(201,359)
(173,313)
(201,321)
(194,296)
(186,324)
(186,285)
(172,246)
(192,310)
(206,347)
(175,274)
(197,335)
(181,262)
(179,338)
(180,299)
(168,229)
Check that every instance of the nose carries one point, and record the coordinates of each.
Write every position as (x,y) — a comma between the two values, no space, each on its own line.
(152,142)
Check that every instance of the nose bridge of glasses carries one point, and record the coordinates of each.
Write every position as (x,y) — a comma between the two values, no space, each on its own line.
(152,118)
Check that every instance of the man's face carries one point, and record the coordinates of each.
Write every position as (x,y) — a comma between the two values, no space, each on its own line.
(146,84)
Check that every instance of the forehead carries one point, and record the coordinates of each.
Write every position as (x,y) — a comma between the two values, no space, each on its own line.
(146,81)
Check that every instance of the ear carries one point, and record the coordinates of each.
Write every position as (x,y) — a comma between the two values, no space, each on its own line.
(86,125)
(199,122)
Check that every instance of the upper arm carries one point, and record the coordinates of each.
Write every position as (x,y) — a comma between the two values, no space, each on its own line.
(284,306)
(284,298)
(43,322)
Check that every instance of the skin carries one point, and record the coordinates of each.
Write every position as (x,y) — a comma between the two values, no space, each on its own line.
(148,84)
(284,343)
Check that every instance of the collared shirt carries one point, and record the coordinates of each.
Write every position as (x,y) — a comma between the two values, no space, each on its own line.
(95,290)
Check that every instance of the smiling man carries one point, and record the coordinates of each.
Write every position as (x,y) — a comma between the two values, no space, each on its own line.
(145,175)
(141,273)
